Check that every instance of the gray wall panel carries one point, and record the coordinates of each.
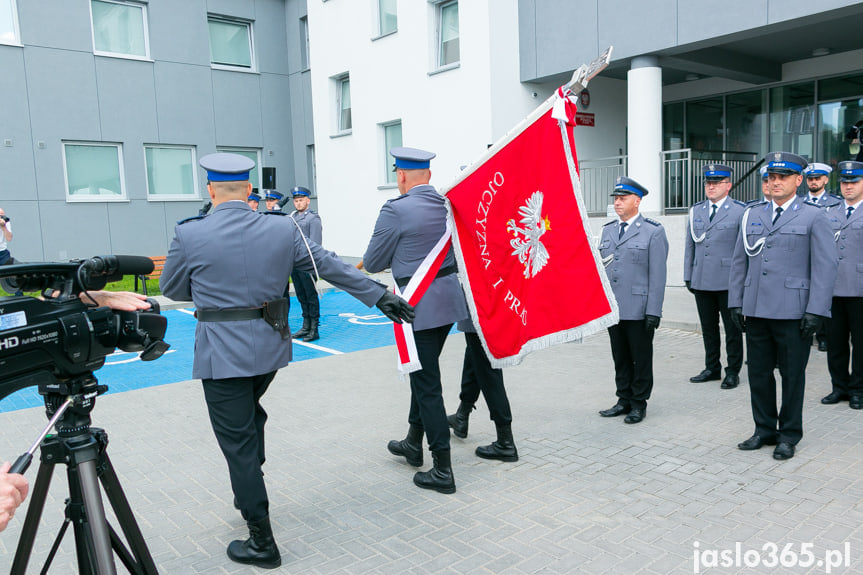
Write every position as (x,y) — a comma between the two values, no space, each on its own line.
(178,31)
(137,228)
(527,39)
(647,26)
(562,38)
(235,8)
(127,100)
(780,10)
(703,19)
(56,24)
(61,225)
(277,129)
(16,160)
(26,244)
(271,39)
(238,117)
(184,103)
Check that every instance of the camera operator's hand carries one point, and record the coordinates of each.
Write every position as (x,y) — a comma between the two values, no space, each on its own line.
(396,308)
(118,300)
(13,491)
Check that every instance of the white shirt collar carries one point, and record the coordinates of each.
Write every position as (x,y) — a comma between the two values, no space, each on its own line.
(784,206)
(719,203)
(847,205)
(629,221)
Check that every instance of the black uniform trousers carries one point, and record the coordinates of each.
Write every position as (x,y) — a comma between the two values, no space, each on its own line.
(238,422)
(846,322)
(427,409)
(711,305)
(772,342)
(307,295)
(632,351)
(478,375)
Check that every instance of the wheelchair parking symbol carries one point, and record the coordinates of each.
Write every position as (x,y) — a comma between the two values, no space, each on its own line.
(366,319)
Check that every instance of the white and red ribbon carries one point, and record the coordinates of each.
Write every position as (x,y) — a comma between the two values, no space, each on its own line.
(417,286)
(564,108)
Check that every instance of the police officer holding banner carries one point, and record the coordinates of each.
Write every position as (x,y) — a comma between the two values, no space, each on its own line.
(304,282)
(242,337)
(846,319)
(782,277)
(634,250)
(711,232)
(407,229)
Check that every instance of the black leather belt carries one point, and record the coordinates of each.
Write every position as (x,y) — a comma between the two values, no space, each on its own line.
(235,314)
(445,271)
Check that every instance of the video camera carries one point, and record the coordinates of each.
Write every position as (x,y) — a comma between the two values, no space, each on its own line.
(56,341)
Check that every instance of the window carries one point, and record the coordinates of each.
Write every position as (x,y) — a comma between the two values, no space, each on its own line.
(392,139)
(304,43)
(119,28)
(387,17)
(231,44)
(343,104)
(9,22)
(252,154)
(447,34)
(94,171)
(170,172)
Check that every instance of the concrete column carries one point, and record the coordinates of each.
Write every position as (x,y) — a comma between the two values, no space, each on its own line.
(644,129)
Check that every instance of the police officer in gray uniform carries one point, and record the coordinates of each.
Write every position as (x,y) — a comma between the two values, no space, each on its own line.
(254,199)
(242,336)
(711,232)
(304,283)
(846,219)
(782,277)
(407,229)
(634,250)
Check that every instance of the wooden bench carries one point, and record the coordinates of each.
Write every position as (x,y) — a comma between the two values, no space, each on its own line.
(158,264)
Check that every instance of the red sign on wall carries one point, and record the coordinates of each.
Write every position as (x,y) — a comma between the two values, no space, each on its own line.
(584,119)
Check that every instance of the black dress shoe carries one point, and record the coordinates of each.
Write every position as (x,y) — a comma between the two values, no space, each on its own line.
(636,415)
(705,375)
(731,381)
(822,345)
(856,402)
(783,451)
(833,397)
(755,442)
(615,410)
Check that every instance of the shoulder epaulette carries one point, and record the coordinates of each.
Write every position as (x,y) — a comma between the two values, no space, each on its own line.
(739,203)
(609,223)
(397,198)
(755,202)
(813,204)
(654,222)
(193,218)
(275,213)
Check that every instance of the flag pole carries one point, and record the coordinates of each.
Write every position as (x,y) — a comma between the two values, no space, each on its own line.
(584,74)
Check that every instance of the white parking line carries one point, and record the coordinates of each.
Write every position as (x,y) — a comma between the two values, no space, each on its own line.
(317,347)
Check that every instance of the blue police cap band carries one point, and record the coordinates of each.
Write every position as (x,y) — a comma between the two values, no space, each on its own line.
(816,173)
(629,189)
(412,164)
(849,175)
(222,177)
(784,166)
(717,175)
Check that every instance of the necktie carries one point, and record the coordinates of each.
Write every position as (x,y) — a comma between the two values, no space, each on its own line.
(850,210)
(777,214)
(713,212)
(622,230)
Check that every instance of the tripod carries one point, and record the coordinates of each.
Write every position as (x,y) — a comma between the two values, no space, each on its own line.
(83,450)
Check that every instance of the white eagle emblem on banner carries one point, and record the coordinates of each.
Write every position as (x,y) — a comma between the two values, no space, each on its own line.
(530,250)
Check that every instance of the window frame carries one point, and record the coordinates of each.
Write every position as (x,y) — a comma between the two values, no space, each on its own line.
(381,33)
(145,30)
(71,198)
(305,48)
(194,196)
(388,159)
(253,67)
(256,182)
(439,6)
(16,28)
(339,82)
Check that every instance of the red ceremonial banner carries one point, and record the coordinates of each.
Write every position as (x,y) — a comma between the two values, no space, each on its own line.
(523,242)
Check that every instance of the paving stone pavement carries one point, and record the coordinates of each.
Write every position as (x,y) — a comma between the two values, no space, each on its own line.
(588,495)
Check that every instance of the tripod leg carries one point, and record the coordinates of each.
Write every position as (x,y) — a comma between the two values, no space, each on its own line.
(94,529)
(126,518)
(31,521)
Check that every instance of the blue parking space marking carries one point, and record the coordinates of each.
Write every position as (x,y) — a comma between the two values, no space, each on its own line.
(346,325)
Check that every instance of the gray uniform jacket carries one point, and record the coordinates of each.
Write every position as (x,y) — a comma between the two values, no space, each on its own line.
(848,233)
(217,262)
(310,223)
(637,266)
(795,270)
(707,264)
(825,201)
(407,229)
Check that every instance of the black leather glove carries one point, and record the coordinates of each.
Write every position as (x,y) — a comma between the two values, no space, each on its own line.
(810,324)
(737,317)
(651,322)
(396,308)
(689,286)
